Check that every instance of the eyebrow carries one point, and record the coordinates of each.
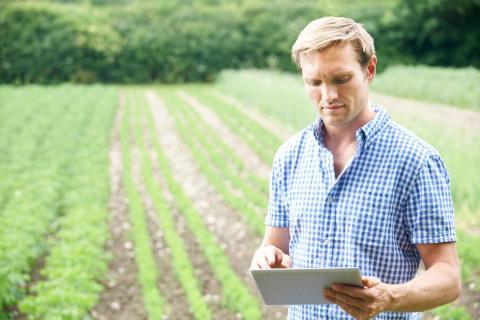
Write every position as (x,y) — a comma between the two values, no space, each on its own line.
(341,72)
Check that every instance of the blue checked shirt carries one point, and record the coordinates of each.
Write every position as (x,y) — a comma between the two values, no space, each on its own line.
(394,194)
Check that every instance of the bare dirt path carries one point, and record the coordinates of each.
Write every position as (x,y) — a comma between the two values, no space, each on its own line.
(441,114)
(176,306)
(228,227)
(122,297)
(280,130)
(251,160)
(209,285)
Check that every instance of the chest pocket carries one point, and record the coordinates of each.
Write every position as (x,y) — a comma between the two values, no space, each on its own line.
(374,220)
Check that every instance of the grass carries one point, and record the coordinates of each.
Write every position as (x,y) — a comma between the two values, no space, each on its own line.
(276,94)
(452,86)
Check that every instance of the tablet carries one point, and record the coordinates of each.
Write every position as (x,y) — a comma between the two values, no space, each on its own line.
(301,286)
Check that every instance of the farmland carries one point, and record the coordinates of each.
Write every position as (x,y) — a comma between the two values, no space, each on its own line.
(136,202)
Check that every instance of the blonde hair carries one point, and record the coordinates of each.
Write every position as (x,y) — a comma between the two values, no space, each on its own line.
(327,32)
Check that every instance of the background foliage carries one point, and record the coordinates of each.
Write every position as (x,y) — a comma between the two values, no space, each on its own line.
(174,41)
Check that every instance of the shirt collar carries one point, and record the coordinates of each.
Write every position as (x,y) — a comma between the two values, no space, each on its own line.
(366,134)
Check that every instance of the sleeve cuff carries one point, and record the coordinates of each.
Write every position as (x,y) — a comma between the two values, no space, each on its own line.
(442,238)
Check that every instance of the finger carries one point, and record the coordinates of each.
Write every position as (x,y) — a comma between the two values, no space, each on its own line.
(359,303)
(355,292)
(352,310)
(263,263)
(271,257)
(370,281)
(286,261)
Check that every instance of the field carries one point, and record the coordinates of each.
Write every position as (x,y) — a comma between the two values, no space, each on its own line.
(148,201)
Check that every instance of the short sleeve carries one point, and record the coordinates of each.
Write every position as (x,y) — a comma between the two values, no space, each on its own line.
(429,213)
(277,215)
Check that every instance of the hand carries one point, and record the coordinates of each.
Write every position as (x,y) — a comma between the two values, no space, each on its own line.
(361,303)
(269,257)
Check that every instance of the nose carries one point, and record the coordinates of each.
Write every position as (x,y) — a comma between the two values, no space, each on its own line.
(329,93)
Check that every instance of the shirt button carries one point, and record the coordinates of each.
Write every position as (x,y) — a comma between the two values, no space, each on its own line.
(330,199)
(326,242)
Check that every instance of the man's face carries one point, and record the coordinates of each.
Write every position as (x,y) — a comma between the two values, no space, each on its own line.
(337,85)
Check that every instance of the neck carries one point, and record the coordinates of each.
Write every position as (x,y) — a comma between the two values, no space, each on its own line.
(346,133)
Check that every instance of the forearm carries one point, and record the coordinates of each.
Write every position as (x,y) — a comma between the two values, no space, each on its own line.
(277,237)
(438,285)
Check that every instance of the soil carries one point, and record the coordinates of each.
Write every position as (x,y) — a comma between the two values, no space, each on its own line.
(209,286)
(471,299)
(228,226)
(281,131)
(458,118)
(252,161)
(122,297)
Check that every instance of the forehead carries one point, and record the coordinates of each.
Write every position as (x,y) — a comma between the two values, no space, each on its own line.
(341,58)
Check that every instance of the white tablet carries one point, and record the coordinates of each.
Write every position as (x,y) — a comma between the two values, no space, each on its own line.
(301,286)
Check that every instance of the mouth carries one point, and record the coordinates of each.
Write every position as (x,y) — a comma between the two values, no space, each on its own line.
(332,106)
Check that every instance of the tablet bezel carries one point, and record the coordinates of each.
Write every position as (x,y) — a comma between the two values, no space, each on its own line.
(289,286)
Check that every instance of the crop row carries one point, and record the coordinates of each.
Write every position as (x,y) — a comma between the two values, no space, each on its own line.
(147,270)
(25,222)
(235,295)
(69,286)
(262,141)
(217,174)
(27,116)
(223,156)
(182,267)
(203,142)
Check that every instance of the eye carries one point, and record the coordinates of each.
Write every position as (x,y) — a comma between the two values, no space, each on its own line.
(342,80)
(314,83)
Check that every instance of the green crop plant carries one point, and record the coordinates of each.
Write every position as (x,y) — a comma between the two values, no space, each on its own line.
(180,260)
(26,120)
(275,94)
(25,222)
(451,312)
(148,274)
(235,294)
(202,147)
(77,260)
(451,86)
(223,155)
(257,137)
(252,215)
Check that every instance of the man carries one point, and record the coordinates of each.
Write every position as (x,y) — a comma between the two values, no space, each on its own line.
(354,189)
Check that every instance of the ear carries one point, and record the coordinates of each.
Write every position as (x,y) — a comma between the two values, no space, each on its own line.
(372,68)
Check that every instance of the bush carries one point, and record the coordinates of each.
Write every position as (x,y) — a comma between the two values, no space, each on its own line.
(434,32)
(47,43)
(176,41)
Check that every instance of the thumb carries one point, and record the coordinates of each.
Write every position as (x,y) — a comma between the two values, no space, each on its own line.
(370,281)
(286,261)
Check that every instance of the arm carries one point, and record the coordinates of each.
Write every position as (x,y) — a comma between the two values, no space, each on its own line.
(273,252)
(438,285)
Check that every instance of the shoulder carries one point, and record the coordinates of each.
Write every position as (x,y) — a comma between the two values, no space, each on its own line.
(413,157)
(408,145)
